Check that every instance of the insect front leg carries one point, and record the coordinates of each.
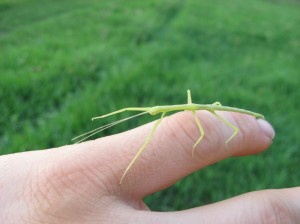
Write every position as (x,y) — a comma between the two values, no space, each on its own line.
(143,146)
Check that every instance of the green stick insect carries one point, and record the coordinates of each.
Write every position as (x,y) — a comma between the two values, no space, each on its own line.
(163,110)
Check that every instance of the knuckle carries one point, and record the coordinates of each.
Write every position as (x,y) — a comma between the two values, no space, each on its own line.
(182,130)
(276,211)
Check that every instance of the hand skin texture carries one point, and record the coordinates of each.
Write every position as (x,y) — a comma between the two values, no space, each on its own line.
(80,183)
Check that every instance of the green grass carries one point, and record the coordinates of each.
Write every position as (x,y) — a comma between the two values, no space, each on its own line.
(63,62)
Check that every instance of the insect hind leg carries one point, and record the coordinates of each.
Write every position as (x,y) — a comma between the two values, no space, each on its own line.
(235,129)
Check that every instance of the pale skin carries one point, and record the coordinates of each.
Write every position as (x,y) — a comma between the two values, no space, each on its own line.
(80,183)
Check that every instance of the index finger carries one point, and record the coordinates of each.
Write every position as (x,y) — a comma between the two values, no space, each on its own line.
(168,157)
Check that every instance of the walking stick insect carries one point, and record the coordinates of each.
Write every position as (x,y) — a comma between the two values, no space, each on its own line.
(189,106)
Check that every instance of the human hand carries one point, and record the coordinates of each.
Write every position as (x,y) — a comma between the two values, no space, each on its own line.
(80,183)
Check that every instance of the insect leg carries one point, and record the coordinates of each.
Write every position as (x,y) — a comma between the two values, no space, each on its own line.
(201,132)
(143,146)
(217,104)
(229,125)
(189,97)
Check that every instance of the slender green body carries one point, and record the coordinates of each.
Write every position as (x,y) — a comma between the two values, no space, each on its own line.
(212,108)
(208,107)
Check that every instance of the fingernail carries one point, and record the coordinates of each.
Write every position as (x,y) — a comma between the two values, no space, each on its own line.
(267,128)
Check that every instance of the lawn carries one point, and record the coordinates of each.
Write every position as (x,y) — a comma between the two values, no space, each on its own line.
(63,62)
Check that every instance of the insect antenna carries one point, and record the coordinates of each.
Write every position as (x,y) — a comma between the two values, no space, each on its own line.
(104,127)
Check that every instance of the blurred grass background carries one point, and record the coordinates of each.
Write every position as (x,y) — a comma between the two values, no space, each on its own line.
(63,62)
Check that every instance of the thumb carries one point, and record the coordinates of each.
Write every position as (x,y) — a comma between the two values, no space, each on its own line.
(267,206)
